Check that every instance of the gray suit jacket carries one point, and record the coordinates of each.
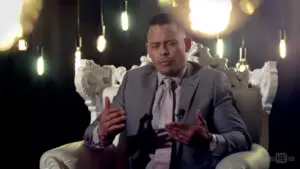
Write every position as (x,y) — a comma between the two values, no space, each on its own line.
(202,88)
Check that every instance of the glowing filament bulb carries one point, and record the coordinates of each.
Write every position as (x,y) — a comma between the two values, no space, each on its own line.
(101,43)
(220,48)
(77,58)
(40,65)
(282,48)
(125,20)
(22,45)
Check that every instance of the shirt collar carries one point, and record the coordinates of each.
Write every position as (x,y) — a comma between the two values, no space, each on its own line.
(177,79)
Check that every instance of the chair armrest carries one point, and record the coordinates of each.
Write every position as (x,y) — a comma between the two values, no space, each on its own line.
(256,158)
(77,156)
(63,157)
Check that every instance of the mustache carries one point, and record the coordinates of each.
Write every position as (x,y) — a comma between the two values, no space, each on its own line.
(164,59)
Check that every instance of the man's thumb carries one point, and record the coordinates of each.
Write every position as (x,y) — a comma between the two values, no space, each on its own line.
(198,116)
(107,103)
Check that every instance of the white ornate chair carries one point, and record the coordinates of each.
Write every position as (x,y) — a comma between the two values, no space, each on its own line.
(254,92)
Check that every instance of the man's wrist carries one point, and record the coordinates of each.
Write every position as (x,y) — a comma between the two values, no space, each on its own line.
(221,145)
(100,141)
(213,143)
(105,143)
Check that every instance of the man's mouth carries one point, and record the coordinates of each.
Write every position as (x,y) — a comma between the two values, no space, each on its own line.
(166,63)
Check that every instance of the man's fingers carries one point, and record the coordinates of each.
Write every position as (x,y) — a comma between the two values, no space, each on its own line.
(178,131)
(161,132)
(198,115)
(177,125)
(199,118)
(115,121)
(116,127)
(107,103)
(176,136)
(113,113)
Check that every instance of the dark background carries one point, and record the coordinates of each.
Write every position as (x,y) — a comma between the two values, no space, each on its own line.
(41,113)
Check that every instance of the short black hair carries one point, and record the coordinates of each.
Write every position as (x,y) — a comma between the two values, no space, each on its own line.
(164,18)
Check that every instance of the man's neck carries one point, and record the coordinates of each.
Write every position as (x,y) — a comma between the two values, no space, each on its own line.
(179,73)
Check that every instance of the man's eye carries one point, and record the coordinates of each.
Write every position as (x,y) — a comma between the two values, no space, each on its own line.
(155,46)
(172,43)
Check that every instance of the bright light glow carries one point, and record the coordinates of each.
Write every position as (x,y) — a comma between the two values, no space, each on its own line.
(210,16)
(220,48)
(247,6)
(40,66)
(22,44)
(282,48)
(17,17)
(124,21)
(101,43)
(77,58)
(242,68)
(174,4)
(242,65)
(165,2)
(10,29)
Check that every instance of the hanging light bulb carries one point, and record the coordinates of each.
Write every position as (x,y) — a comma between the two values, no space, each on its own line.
(40,63)
(78,54)
(40,66)
(174,3)
(247,6)
(124,21)
(282,45)
(22,44)
(165,3)
(220,47)
(77,58)
(124,18)
(168,3)
(242,64)
(101,41)
(282,48)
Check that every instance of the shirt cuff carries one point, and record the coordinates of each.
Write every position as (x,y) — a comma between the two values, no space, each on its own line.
(98,143)
(96,139)
(221,146)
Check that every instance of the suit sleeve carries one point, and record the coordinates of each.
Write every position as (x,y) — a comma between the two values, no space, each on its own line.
(91,138)
(232,132)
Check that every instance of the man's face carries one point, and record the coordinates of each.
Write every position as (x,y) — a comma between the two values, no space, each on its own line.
(167,46)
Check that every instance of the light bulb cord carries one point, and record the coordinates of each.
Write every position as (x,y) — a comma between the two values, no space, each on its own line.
(78,18)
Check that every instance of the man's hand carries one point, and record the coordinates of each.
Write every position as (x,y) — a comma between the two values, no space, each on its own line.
(112,122)
(194,135)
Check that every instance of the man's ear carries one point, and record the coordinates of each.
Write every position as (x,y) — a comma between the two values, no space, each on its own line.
(147,47)
(188,43)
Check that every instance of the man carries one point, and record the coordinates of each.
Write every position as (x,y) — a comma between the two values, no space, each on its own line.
(172,113)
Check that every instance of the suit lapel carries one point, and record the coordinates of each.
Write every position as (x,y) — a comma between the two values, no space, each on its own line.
(188,87)
(149,85)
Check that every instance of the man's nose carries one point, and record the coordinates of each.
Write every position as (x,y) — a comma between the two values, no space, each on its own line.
(164,51)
